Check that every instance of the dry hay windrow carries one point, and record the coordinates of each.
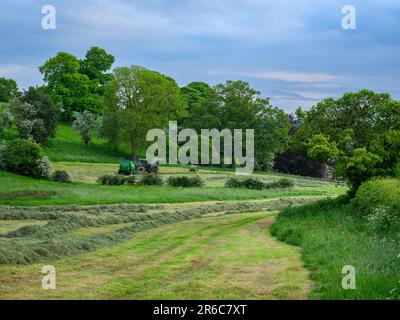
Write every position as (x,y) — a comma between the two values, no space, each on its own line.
(41,243)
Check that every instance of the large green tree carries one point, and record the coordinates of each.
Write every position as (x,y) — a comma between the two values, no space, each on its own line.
(35,115)
(77,85)
(364,127)
(95,65)
(8,89)
(202,106)
(144,100)
(242,107)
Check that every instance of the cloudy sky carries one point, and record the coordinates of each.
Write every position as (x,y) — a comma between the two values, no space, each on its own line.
(293,51)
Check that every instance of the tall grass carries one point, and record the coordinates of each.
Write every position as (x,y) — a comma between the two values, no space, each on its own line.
(333,236)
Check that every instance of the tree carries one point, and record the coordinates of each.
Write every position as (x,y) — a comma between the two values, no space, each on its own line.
(8,89)
(5,121)
(95,65)
(242,107)
(68,87)
(84,123)
(365,129)
(202,106)
(145,99)
(35,115)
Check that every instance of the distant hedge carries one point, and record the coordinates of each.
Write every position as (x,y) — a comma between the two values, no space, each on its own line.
(185,181)
(258,184)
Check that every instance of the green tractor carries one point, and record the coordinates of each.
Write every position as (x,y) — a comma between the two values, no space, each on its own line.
(141,167)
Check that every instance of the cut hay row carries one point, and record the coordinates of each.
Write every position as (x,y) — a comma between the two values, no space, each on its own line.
(41,243)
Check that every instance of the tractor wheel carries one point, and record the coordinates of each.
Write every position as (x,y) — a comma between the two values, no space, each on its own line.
(141,170)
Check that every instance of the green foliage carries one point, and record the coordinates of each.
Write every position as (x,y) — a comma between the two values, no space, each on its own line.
(111,180)
(202,106)
(25,157)
(8,89)
(61,176)
(138,100)
(332,236)
(320,149)
(35,115)
(185,181)
(5,121)
(365,129)
(378,192)
(151,180)
(397,170)
(84,122)
(194,168)
(95,65)
(258,184)
(42,168)
(283,183)
(77,85)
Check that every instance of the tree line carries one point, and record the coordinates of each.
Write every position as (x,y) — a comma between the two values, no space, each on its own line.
(358,134)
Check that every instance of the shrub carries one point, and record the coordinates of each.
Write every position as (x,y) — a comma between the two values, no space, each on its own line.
(5,121)
(397,171)
(23,157)
(111,180)
(35,115)
(381,220)
(375,193)
(257,184)
(253,183)
(151,180)
(131,180)
(184,181)
(283,183)
(233,183)
(42,168)
(61,176)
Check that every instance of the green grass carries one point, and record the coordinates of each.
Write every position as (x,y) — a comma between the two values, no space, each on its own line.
(68,146)
(333,236)
(207,258)
(19,190)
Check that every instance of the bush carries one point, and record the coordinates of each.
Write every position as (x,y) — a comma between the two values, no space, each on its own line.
(253,183)
(25,157)
(61,176)
(111,180)
(283,183)
(397,171)
(42,168)
(379,192)
(378,202)
(257,184)
(151,180)
(131,180)
(184,181)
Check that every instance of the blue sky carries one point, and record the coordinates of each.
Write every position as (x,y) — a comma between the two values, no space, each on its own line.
(293,51)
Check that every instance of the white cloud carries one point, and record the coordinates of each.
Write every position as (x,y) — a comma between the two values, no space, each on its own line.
(296,76)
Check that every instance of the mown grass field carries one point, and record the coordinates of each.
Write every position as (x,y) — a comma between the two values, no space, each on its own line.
(146,242)
(215,257)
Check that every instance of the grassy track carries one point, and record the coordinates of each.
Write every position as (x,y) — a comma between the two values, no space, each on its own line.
(222,257)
